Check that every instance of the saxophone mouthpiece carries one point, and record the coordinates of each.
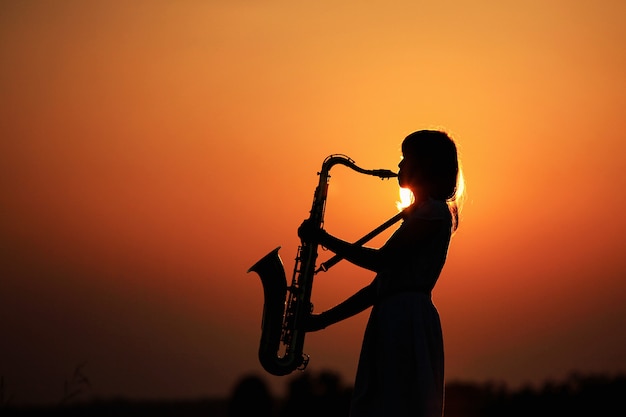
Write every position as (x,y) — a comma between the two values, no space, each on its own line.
(384,173)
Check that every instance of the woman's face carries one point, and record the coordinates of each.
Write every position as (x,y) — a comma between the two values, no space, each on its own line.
(409,177)
(405,174)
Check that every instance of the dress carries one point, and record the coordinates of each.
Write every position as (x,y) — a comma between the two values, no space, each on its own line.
(401,365)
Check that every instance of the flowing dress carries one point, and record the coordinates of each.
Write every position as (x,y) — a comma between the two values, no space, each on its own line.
(401,365)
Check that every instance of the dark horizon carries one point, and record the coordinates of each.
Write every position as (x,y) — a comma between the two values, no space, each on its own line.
(325,394)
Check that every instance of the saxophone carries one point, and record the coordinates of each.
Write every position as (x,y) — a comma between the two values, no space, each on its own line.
(286,308)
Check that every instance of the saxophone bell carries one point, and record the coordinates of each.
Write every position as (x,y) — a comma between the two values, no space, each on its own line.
(277,332)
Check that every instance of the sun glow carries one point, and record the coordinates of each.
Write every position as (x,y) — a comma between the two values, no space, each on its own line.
(406,198)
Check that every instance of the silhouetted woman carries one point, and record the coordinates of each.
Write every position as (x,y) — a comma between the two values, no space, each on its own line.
(401,366)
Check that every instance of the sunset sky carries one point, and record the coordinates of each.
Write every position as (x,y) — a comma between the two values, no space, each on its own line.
(152,151)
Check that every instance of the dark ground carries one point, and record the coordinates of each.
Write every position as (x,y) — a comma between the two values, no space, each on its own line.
(324,395)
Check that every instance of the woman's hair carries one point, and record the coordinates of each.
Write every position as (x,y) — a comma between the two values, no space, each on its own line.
(437,166)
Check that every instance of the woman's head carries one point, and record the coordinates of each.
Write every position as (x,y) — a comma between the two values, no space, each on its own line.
(430,169)
(430,164)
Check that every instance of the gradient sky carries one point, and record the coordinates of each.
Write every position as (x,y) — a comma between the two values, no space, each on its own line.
(152,151)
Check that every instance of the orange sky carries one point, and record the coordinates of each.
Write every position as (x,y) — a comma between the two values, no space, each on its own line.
(150,153)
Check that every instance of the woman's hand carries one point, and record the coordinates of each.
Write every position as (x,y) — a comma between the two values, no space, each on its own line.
(309,232)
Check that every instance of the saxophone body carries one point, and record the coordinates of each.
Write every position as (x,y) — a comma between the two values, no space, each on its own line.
(285,308)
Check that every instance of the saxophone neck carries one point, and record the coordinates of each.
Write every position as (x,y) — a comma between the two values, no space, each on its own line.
(335,159)
(321,192)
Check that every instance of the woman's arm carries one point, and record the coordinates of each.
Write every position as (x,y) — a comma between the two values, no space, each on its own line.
(354,305)
(362,256)
(409,234)
(406,237)
(358,255)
